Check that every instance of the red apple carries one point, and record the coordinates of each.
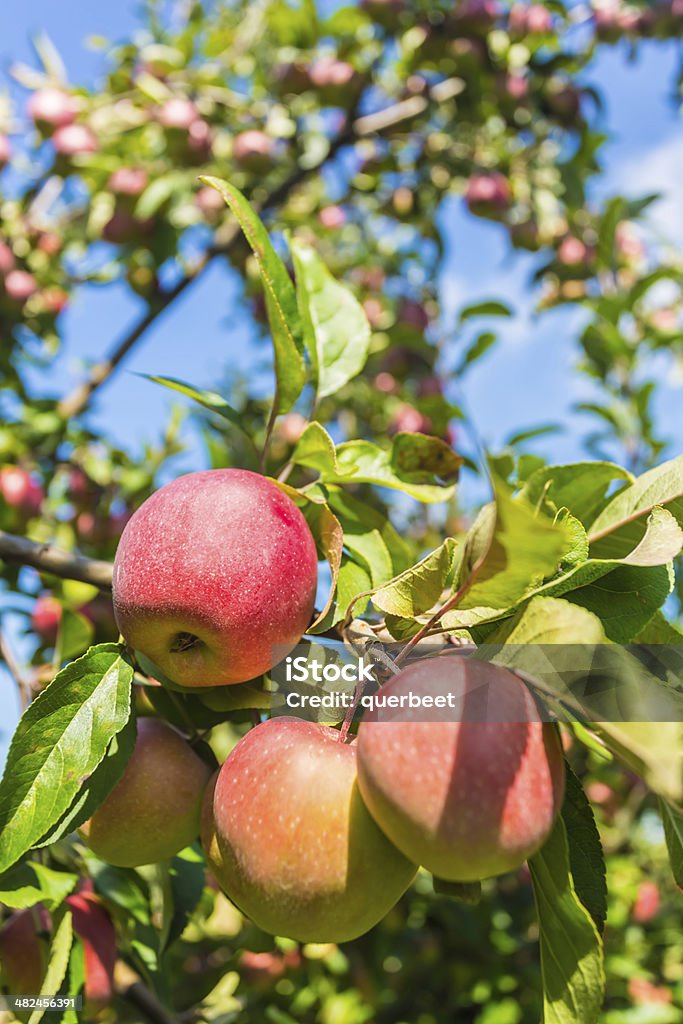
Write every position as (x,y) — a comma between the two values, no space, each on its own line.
(128,181)
(74,139)
(253,149)
(54,300)
(5,151)
(52,107)
(93,925)
(49,243)
(20,285)
(212,572)
(199,141)
(469,791)
(177,113)
(572,251)
(335,80)
(210,202)
(488,194)
(153,812)
(45,618)
(647,902)
(532,19)
(299,853)
(23,954)
(409,420)
(332,217)
(20,490)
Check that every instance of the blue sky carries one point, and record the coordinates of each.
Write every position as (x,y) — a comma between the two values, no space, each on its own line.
(528,379)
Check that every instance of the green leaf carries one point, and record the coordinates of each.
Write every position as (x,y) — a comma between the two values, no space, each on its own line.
(158,192)
(572,962)
(479,347)
(353,580)
(621,525)
(586,858)
(61,739)
(60,952)
(549,620)
(673,830)
(490,307)
(625,599)
(186,876)
(281,304)
(336,329)
(415,464)
(27,884)
(97,787)
(581,487)
(418,588)
(357,517)
(509,551)
(209,399)
(328,535)
(73,637)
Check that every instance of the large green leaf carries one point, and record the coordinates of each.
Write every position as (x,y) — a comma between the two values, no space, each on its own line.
(572,962)
(626,598)
(582,487)
(509,551)
(281,303)
(418,465)
(336,329)
(358,518)
(621,525)
(61,739)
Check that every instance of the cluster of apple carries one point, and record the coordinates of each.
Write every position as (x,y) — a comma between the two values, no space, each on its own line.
(312,833)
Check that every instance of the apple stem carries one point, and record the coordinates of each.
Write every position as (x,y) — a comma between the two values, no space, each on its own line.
(348,717)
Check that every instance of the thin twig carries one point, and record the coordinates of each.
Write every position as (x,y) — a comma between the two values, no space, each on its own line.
(132,989)
(16,671)
(55,561)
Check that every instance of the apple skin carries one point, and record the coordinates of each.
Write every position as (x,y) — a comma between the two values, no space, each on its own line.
(45,618)
(298,852)
(154,810)
(94,926)
(52,108)
(74,139)
(223,556)
(23,954)
(19,489)
(466,799)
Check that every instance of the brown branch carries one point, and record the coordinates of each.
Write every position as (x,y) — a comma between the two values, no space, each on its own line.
(371,124)
(55,561)
(130,987)
(16,671)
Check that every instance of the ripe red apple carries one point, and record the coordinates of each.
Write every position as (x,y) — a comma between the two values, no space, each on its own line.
(153,812)
(211,572)
(532,19)
(20,285)
(123,227)
(409,420)
(253,149)
(488,194)
(23,953)
(52,108)
(572,251)
(6,258)
(45,618)
(74,139)
(92,923)
(468,792)
(49,242)
(332,217)
(128,181)
(298,852)
(210,202)
(647,902)
(5,151)
(20,490)
(335,80)
(177,113)
(199,141)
